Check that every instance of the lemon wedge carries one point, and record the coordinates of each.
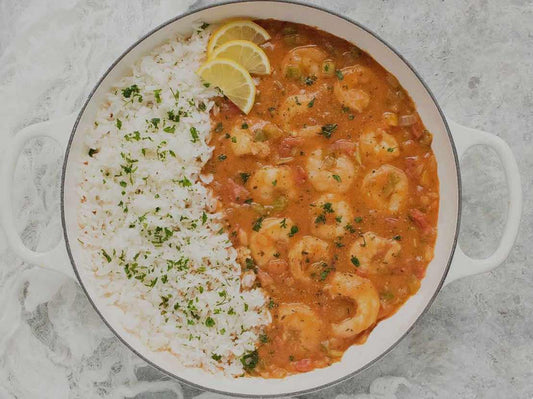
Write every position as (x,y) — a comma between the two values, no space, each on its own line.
(232,78)
(245,53)
(237,30)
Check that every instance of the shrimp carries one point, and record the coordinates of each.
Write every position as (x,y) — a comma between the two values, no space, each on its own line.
(265,243)
(303,61)
(386,188)
(371,253)
(302,328)
(297,118)
(250,137)
(352,90)
(378,145)
(330,214)
(330,172)
(365,296)
(269,183)
(309,259)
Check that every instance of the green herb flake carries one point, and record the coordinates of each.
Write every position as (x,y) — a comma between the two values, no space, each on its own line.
(328,130)
(194,134)
(355,261)
(219,127)
(244,177)
(118,123)
(209,322)
(397,238)
(311,103)
(294,230)
(106,256)
(222,157)
(250,360)
(216,357)
(157,95)
(337,178)
(339,74)
(358,219)
(170,129)
(256,226)
(93,151)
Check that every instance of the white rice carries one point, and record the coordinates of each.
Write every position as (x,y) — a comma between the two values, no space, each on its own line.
(154,250)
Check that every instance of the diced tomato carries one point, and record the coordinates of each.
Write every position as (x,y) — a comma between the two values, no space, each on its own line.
(228,109)
(414,167)
(300,175)
(420,220)
(417,129)
(345,146)
(287,145)
(303,365)
(236,192)
(264,278)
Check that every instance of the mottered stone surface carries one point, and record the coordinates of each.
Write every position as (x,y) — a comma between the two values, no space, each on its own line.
(476,341)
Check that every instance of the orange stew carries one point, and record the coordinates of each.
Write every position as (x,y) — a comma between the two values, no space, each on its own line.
(330,192)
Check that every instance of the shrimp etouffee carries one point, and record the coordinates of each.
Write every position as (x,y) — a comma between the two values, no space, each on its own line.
(330,193)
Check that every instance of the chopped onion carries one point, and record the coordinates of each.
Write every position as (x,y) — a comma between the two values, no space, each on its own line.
(407,120)
(284,160)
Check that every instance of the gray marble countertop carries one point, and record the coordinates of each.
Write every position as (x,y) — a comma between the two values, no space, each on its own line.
(476,341)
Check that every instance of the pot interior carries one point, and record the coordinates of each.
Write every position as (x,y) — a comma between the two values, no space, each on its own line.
(389,331)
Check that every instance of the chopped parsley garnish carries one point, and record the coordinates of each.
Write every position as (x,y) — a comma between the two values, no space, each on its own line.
(283,223)
(185,182)
(118,123)
(216,357)
(256,226)
(337,177)
(339,74)
(209,322)
(249,361)
(328,129)
(310,80)
(328,207)
(93,151)
(250,265)
(170,129)
(222,157)
(155,122)
(157,95)
(219,127)
(202,106)
(311,103)
(204,217)
(390,149)
(294,230)
(244,126)
(349,228)
(204,26)
(194,134)
(129,91)
(358,219)
(320,219)
(397,238)
(355,261)
(263,338)
(244,177)
(106,256)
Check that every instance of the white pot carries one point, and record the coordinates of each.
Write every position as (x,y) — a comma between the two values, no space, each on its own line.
(449,142)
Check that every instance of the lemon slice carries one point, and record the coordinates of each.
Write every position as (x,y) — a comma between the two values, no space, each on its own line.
(230,77)
(246,53)
(237,30)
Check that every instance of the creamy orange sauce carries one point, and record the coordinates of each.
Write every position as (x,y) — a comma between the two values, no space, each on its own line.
(334,159)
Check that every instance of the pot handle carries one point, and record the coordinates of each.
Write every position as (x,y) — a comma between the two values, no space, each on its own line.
(463,265)
(57,129)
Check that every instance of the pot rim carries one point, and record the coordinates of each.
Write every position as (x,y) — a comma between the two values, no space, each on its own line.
(181,379)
